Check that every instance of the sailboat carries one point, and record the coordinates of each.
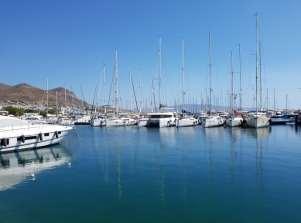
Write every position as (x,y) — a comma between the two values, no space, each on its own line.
(233,120)
(115,120)
(162,117)
(257,119)
(184,120)
(212,120)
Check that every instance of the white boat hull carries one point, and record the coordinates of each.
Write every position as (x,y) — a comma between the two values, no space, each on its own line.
(52,139)
(234,121)
(142,122)
(213,121)
(98,122)
(186,122)
(258,121)
(114,122)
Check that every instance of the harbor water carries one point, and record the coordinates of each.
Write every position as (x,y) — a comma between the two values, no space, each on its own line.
(131,174)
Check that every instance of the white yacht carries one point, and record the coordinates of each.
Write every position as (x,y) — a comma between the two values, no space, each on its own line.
(161,119)
(98,121)
(234,121)
(142,122)
(83,120)
(114,122)
(186,121)
(213,121)
(17,134)
(257,120)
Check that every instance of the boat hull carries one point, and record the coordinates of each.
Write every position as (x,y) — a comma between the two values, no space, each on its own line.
(211,122)
(256,121)
(186,122)
(34,143)
(234,121)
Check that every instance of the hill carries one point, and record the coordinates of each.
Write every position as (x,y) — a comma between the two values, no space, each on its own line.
(24,93)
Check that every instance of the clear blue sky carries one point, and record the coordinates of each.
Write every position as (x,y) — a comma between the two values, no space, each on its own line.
(69,41)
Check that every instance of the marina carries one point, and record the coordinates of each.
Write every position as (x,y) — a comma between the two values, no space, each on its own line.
(146,174)
(150,111)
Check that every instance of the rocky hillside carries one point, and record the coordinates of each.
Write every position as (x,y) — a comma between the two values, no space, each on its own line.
(26,94)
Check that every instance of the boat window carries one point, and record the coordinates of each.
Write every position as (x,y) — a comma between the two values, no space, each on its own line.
(4,142)
(30,137)
(46,134)
(20,139)
(160,116)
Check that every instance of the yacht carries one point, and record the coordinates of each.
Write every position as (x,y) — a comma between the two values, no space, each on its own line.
(234,121)
(186,121)
(161,119)
(213,121)
(17,134)
(98,121)
(257,120)
(83,120)
(282,119)
(142,122)
(114,122)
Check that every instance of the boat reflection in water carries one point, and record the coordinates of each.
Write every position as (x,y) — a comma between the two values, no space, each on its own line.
(15,167)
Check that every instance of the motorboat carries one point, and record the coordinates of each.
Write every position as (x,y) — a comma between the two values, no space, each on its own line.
(17,134)
(213,121)
(161,119)
(282,119)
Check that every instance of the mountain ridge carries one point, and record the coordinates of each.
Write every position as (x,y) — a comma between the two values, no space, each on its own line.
(24,93)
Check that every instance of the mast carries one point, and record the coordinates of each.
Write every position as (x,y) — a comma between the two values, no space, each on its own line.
(65,96)
(134,92)
(104,82)
(231,85)
(240,87)
(56,104)
(268,99)
(286,103)
(274,99)
(183,72)
(116,92)
(160,70)
(47,99)
(257,50)
(260,76)
(210,72)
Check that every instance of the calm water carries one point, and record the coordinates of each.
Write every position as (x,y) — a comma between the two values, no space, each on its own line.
(166,175)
